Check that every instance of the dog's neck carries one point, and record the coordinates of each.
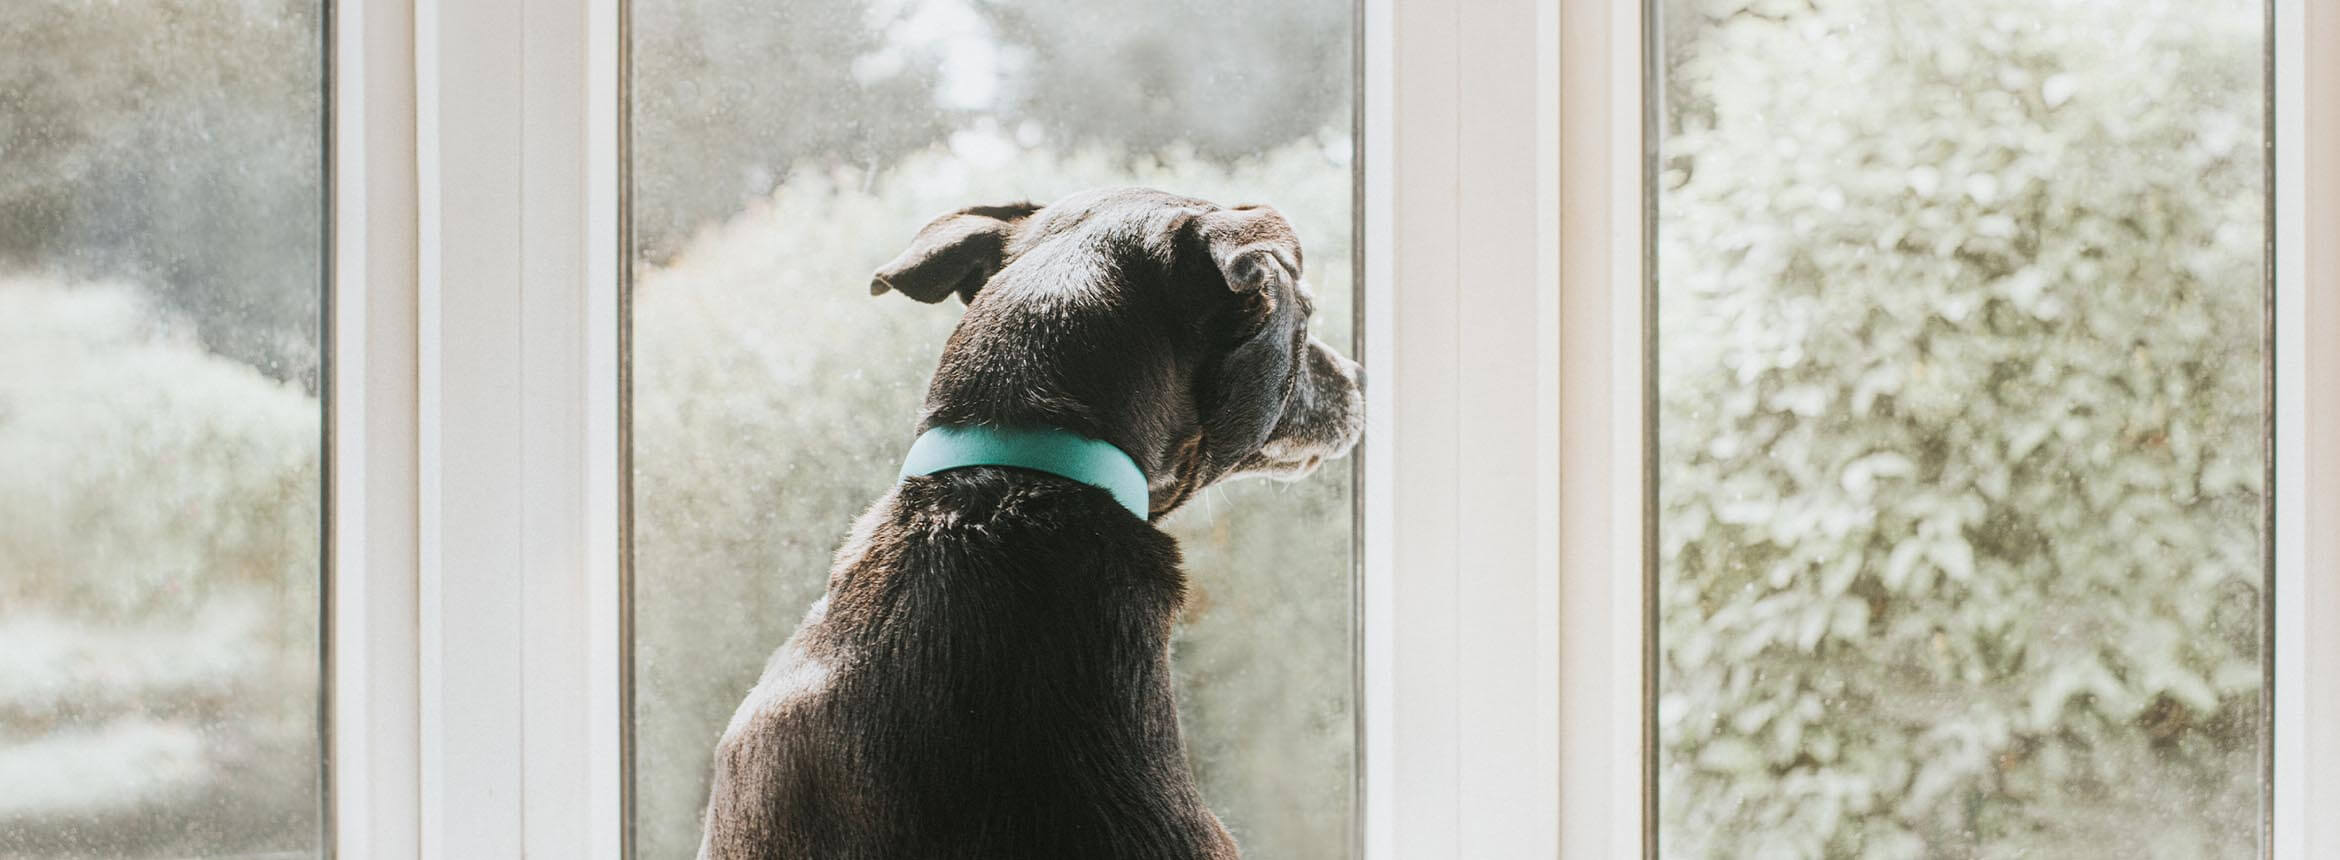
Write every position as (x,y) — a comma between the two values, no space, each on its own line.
(1041,449)
(1082,363)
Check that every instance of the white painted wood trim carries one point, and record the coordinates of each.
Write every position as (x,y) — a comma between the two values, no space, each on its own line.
(2307,445)
(1378,611)
(1461,682)
(517,128)
(1602,600)
(468,123)
(607,807)
(374,745)
(570,732)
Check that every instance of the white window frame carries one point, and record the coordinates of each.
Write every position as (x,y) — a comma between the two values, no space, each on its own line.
(475,655)
(2307,430)
(372,761)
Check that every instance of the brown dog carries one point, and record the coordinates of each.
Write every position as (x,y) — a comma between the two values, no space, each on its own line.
(988,675)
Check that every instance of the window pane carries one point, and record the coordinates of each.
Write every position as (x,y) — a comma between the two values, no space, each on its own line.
(1961,416)
(781,152)
(161,214)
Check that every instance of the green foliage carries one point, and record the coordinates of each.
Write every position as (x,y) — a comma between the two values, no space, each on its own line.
(773,398)
(1961,342)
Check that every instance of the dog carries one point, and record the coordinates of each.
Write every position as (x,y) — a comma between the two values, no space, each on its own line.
(988,676)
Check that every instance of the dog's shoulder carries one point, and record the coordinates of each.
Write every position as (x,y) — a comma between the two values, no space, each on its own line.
(989,636)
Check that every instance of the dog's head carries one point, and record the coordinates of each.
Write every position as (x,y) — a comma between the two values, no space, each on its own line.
(1172,327)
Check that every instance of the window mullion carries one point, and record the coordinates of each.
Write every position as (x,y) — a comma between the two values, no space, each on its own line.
(1461,591)
(2307,443)
(1603,606)
(570,744)
(372,646)
(472,509)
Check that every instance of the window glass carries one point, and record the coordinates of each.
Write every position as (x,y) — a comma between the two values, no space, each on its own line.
(161,213)
(781,152)
(1961,414)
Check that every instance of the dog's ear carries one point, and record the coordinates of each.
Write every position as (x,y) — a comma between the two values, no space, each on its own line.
(955,253)
(1254,247)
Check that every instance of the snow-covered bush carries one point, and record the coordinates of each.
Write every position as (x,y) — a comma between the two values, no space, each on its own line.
(158,585)
(1961,476)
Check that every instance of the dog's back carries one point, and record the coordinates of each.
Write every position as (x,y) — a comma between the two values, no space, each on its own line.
(987,679)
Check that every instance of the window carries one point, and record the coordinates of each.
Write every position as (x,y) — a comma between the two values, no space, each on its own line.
(2016,305)
(1962,422)
(783,151)
(161,223)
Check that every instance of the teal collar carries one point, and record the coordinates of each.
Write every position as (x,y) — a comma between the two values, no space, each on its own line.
(1078,458)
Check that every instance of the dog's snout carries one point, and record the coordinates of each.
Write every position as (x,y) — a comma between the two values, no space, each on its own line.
(1348,368)
(1325,414)
(1324,359)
